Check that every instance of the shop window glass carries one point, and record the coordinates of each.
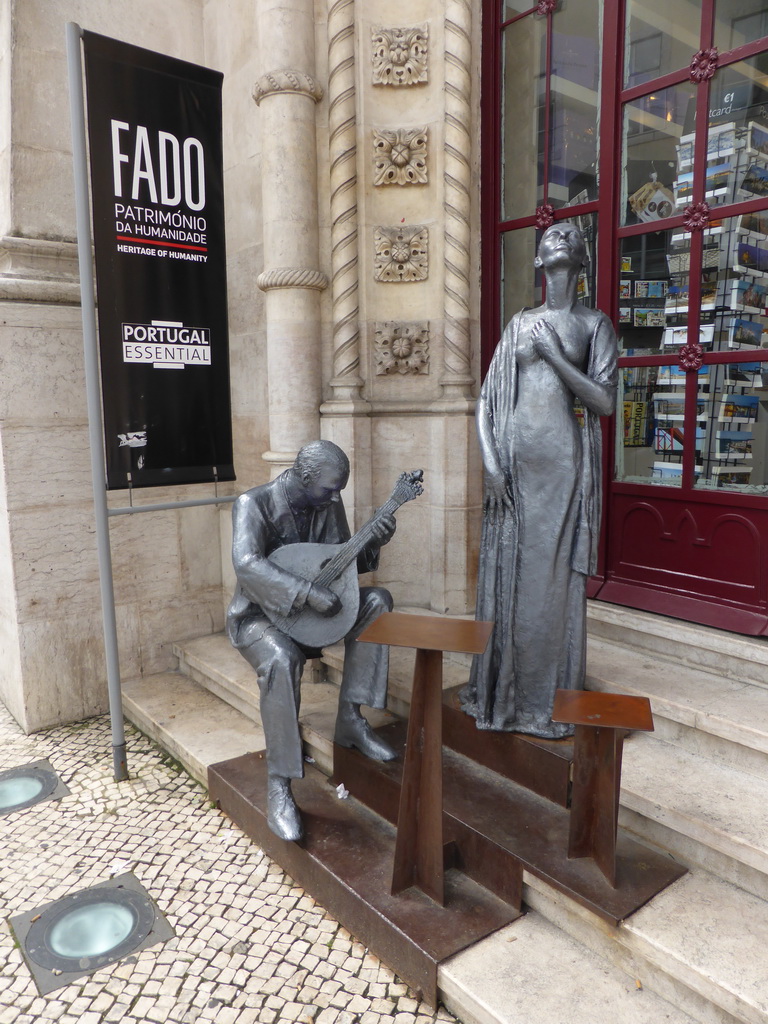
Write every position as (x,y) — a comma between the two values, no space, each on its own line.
(650,425)
(521,282)
(575,94)
(522,117)
(656,167)
(733,445)
(737,142)
(739,21)
(514,7)
(662,36)
(645,282)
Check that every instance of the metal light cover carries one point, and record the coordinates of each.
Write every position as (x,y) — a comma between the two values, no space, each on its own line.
(82,932)
(29,784)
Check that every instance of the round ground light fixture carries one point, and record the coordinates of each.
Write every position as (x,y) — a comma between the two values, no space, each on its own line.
(87,930)
(28,785)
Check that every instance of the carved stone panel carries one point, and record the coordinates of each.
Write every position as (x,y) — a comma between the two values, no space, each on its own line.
(400,156)
(401,347)
(400,55)
(401,253)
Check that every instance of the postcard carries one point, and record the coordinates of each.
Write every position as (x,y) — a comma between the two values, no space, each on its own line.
(679,335)
(730,476)
(650,317)
(651,289)
(625,314)
(684,154)
(625,289)
(744,332)
(757,139)
(755,223)
(626,264)
(669,405)
(739,408)
(717,177)
(744,375)
(676,375)
(755,181)
(734,444)
(721,141)
(667,471)
(748,295)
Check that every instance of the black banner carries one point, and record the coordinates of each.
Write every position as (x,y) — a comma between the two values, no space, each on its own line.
(154,128)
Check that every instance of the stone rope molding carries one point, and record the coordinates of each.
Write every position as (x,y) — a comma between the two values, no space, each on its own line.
(292,277)
(287,80)
(458,55)
(342,123)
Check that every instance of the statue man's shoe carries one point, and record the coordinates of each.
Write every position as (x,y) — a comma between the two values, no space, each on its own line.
(282,813)
(356,732)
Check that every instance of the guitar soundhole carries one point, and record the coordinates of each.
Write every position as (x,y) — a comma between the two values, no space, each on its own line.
(323,564)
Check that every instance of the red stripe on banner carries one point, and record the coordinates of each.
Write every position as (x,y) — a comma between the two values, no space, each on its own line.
(161,245)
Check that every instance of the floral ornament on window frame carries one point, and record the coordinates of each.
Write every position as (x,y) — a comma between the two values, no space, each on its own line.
(696,216)
(546,6)
(545,216)
(704,64)
(691,357)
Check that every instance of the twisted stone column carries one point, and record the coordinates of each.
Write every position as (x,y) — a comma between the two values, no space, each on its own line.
(342,116)
(286,96)
(458,55)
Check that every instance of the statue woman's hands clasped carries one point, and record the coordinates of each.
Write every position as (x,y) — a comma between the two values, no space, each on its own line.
(546,341)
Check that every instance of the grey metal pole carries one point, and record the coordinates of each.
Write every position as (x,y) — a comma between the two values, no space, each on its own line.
(95,424)
(128,510)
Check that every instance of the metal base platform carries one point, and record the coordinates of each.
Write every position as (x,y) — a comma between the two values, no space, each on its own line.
(345,863)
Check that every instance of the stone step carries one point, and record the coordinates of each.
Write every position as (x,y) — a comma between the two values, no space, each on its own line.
(531,972)
(702,812)
(741,658)
(700,711)
(695,945)
(190,722)
(401,664)
(699,944)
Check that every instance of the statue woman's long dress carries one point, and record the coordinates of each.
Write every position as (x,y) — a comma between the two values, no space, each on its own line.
(542,497)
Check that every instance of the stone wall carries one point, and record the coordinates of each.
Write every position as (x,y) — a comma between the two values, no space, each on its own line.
(167,569)
(326,167)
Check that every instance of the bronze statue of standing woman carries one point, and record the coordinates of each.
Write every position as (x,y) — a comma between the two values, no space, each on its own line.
(542,496)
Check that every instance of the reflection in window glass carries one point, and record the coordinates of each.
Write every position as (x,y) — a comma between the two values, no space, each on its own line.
(575,91)
(657,167)
(522,117)
(736,23)
(514,7)
(662,36)
(521,282)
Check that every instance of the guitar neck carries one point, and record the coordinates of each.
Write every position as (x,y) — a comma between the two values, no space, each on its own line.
(349,551)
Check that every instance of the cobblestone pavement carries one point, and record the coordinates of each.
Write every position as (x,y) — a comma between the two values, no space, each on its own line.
(250,945)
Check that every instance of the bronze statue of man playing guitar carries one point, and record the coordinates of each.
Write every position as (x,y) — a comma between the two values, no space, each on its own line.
(296,593)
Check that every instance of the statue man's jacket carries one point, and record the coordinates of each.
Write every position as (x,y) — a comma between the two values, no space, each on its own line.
(262,522)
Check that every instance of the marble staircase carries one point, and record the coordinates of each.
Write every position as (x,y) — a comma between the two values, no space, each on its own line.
(696,788)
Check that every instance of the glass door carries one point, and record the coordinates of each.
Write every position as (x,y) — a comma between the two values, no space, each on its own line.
(646,122)
(687,524)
